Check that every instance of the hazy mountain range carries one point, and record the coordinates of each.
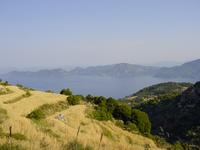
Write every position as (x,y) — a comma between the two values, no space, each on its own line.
(117,80)
(189,70)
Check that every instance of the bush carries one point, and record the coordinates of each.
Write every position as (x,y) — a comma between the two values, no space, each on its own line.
(27,94)
(47,109)
(107,109)
(74,99)
(101,101)
(142,121)
(101,114)
(160,142)
(5,83)
(111,104)
(89,98)
(18,136)
(178,146)
(122,112)
(7,146)
(66,92)
(119,123)
(75,145)
(131,126)
(36,114)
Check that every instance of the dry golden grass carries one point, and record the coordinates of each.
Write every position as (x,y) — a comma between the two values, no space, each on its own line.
(52,134)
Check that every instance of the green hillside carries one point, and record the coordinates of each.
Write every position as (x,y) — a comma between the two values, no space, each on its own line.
(158,91)
(176,118)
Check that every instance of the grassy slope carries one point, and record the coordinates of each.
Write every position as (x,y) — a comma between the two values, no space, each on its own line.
(52,133)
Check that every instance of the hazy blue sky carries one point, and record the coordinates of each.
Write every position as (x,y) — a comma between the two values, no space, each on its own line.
(53,33)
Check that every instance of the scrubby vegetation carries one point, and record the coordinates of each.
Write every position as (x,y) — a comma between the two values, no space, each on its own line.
(4,83)
(74,99)
(162,89)
(157,92)
(22,87)
(109,108)
(75,145)
(141,119)
(16,136)
(66,91)
(8,146)
(47,109)
(174,116)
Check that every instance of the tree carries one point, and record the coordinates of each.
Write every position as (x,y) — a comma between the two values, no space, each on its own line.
(73,99)
(142,121)
(66,91)
(111,103)
(122,112)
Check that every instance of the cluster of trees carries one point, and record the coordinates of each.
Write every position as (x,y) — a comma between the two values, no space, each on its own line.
(5,83)
(66,92)
(72,99)
(108,108)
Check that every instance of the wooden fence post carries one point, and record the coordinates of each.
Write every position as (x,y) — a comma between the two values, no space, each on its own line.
(78,132)
(100,141)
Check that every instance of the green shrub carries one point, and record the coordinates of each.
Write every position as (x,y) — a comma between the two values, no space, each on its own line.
(142,121)
(178,146)
(131,126)
(5,83)
(18,136)
(47,109)
(122,112)
(27,94)
(75,145)
(119,123)
(37,114)
(101,101)
(106,132)
(107,109)
(7,146)
(111,103)
(74,99)
(101,114)
(89,98)
(66,92)
(160,142)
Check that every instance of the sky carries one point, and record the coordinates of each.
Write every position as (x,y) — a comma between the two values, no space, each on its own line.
(58,33)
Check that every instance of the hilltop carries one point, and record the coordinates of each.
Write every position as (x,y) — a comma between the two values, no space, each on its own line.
(56,123)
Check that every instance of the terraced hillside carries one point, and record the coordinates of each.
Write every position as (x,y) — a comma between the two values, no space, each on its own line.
(55,131)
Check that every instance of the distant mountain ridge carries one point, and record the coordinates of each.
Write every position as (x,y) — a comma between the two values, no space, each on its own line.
(40,73)
(116,70)
(189,70)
